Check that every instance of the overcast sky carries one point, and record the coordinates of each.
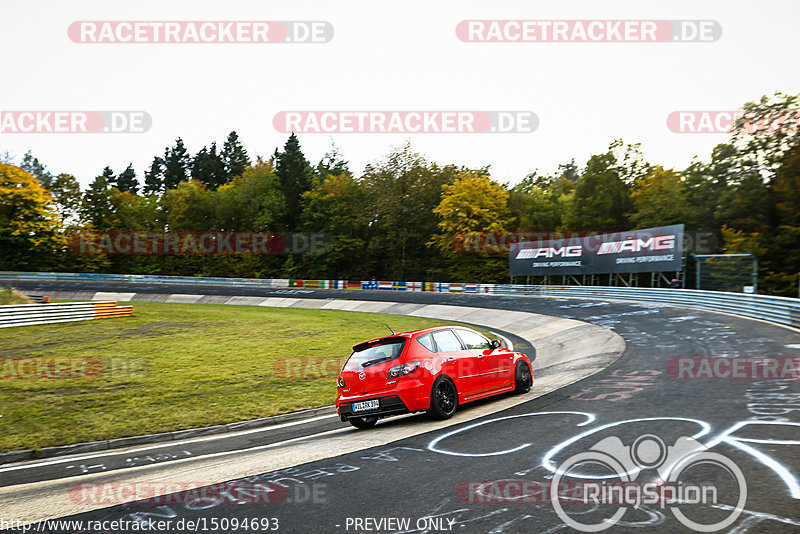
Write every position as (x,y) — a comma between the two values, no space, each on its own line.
(391,56)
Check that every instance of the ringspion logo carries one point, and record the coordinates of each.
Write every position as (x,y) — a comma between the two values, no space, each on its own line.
(405,122)
(74,121)
(672,483)
(588,31)
(199,31)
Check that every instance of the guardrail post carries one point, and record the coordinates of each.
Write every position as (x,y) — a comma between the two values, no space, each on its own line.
(696,271)
(755,274)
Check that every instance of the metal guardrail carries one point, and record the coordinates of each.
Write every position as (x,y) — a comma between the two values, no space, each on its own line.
(781,310)
(142,279)
(63,312)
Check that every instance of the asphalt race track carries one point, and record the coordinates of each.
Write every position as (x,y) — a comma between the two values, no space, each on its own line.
(445,480)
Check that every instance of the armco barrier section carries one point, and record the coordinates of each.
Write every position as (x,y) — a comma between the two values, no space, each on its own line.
(32,314)
(143,279)
(781,310)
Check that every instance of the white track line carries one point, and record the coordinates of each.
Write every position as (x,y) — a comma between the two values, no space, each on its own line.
(53,461)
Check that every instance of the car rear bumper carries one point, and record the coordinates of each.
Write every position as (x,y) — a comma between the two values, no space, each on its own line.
(389,405)
(407,396)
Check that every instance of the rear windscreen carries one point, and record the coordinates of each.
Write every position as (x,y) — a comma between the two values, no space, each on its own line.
(380,352)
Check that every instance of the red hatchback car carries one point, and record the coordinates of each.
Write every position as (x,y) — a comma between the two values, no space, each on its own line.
(432,370)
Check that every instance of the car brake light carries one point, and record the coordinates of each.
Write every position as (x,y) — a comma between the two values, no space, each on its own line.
(340,382)
(404,369)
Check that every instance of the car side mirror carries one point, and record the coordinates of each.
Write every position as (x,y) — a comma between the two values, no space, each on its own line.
(495,344)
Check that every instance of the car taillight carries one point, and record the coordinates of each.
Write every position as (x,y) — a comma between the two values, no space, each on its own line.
(340,382)
(404,369)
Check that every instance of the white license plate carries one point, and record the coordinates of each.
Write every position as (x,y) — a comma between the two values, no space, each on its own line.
(366,405)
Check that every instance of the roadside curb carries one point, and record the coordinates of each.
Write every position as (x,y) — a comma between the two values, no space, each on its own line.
(120,443)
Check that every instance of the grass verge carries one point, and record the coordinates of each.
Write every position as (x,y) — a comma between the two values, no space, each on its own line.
(9,295)
(173,366)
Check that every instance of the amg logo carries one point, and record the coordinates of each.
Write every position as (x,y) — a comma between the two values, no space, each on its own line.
(549,252)
(663,242)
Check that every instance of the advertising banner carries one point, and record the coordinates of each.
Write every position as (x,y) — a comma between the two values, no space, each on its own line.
(634,251)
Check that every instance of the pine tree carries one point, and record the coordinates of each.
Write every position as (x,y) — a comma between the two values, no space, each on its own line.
(108,174)
(234,156)
(209,168)
(126,181)
(177,165)
(217,172)
(97,207)
(295,174)
(32,166)
(332,163)
(200,165)
(154,177)
(67,198)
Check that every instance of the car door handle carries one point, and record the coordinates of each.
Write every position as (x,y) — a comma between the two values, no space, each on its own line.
(450,360)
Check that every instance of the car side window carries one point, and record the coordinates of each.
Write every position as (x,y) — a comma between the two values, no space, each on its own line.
(427,342)
(473,340)
(446,341)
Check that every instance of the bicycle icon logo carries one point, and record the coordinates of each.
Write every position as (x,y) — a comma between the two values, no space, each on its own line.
(620,487)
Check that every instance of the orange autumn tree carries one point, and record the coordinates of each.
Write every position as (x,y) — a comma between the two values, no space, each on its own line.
(472,203)
(29,224)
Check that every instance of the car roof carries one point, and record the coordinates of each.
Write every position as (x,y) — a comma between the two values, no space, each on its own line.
(416,333)
(412,334)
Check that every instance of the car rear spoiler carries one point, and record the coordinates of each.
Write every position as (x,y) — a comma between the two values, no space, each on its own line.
(382,341)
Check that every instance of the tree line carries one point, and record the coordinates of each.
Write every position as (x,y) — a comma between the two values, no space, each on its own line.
(401,218)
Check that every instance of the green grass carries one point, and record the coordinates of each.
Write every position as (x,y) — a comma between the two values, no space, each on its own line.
(175,366)
(9,295)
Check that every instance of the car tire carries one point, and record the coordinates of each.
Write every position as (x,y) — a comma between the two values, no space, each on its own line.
(523,380)
(363,422)
(444,399)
